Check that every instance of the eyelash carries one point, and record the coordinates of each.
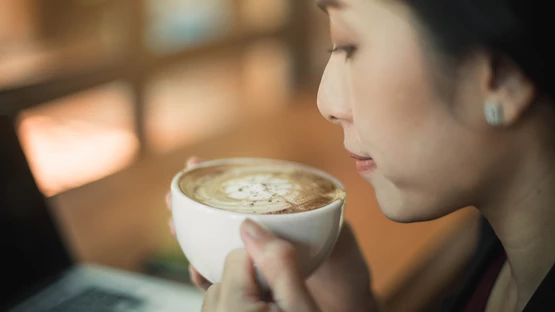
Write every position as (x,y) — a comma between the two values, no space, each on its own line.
(348,50)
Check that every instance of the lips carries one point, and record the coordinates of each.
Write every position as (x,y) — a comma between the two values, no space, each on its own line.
(363,164)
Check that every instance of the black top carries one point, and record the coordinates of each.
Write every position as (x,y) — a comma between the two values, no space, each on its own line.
(488,248)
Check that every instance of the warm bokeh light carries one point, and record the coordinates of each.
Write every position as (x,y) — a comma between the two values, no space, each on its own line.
(264,15)
(16,22)
(79,139)
(266,74)
(192,102)
(189,103)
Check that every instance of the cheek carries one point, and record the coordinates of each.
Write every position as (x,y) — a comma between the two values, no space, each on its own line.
(394,106)
(417,140)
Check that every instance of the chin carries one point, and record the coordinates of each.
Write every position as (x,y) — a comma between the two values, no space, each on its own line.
(404,204)
(401,216)
(402,209)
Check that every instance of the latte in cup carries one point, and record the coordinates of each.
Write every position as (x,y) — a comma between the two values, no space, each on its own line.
(297,203)
(260,188)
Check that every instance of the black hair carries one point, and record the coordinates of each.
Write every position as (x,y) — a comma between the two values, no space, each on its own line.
(518,29)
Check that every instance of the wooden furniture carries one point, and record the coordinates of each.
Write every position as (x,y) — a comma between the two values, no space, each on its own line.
(120,220)
(70,61)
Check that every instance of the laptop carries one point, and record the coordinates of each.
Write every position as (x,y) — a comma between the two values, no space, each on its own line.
(38,273)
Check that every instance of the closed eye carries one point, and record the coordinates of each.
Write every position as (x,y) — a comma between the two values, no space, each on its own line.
(349,50)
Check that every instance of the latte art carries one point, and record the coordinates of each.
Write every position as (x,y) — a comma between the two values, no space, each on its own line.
(260,188)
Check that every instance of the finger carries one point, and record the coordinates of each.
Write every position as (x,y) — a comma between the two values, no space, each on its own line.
(169,201)
(211,298)
(239,279)
(192,161)
(198,280)
(276,260)
(172,227)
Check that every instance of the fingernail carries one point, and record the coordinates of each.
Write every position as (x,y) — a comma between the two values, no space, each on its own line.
(169,201)
(192,161)
(253,230)
(172,228)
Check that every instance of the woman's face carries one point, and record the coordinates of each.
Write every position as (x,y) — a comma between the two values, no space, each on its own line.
(426,135)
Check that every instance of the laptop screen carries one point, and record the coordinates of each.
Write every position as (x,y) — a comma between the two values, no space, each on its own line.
(31,248)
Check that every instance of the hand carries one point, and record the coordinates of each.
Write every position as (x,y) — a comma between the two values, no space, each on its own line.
(276,261)
(342,283)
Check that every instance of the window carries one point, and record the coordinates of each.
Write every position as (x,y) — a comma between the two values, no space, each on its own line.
(80,138)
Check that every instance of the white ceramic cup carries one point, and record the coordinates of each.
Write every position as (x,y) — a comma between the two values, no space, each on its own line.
(208,234)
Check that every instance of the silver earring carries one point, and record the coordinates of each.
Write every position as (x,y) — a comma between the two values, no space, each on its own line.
(494,113)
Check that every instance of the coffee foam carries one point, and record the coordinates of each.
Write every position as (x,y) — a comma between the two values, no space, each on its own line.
(260,188)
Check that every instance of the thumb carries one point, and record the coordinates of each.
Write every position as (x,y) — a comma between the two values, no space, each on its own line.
(276,260)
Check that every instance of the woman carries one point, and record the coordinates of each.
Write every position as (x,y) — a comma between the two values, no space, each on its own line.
(444,104)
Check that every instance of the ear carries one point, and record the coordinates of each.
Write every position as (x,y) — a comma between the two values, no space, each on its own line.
(510,89)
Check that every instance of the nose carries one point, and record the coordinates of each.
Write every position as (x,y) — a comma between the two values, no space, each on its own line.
(333,94)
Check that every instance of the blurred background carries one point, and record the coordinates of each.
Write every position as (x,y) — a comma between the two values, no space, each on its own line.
(112,96)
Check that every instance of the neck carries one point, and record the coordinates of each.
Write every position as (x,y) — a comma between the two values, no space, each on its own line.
(524,220)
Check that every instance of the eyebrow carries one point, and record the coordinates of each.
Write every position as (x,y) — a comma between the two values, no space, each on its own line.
(325,4)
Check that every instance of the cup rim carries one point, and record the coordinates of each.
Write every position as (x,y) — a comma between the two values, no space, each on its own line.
(175,189)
